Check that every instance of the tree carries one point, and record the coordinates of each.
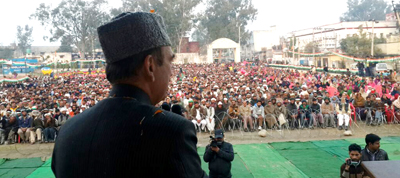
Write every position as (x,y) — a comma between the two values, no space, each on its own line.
(363,10)
(222,19)
(292,45)
(311,47)
(74,21)
(24,38)
(359,45)
(66,42)
(177,14)
(6,53)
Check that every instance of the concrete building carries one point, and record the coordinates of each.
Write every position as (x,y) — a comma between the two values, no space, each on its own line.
(328,36)
(188,52)
(189,46)
(264,39)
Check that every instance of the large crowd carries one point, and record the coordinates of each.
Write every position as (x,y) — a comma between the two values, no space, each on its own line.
(246,96)
(34,110)
(253,96)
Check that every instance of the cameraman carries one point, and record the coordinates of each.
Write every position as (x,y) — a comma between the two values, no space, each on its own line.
(219,155)
(352,167)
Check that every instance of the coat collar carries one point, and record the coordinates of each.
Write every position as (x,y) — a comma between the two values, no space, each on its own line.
(123,90)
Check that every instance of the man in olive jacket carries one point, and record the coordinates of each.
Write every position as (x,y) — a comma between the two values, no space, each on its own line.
(125,135)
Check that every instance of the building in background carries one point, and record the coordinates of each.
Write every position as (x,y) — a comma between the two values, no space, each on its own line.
(263,44)
(328,36)
(189,46)
(188,52)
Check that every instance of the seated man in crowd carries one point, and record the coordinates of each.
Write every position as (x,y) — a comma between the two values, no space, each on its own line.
(220,115)
(258,114)
(269,112)
(352,166)
(280,112)
(198,116)
(49,128)
(379,111)
(293,113)
(11,128)
(372,151)
(367,115)
(305,113)
(328,112)
(25,122)
(3,124)
(316,113)
(343,111)
(37,127)
(245,113)
(188,109)
(62,118)
(233,114)
(210,116)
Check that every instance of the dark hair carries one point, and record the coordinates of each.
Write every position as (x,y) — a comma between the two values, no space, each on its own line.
(354,147)
(177,109)
(128,67)
(371,138)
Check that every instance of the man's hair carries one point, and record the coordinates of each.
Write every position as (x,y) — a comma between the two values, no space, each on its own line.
(355,147)
(371,138)
(128,67)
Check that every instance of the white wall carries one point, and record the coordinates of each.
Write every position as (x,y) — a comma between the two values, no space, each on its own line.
(265,39)
(390,48)
(331,34)
(182,58)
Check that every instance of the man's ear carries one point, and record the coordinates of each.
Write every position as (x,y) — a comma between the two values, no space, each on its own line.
(149,67)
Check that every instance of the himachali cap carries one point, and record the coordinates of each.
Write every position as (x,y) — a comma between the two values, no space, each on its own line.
(131,33)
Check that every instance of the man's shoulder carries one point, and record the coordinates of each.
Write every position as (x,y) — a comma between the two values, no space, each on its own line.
(363,151)
(383,152)
(227,144)
(128,110)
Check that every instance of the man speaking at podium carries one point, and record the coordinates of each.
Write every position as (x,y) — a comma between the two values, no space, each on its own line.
(125,135)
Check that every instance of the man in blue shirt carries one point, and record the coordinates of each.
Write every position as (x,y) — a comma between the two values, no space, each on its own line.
(25,123)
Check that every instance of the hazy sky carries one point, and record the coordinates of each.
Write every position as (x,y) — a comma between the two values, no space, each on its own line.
(288,15)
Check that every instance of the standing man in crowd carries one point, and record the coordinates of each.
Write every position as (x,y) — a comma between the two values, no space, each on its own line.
(121,136)
(360,67)
(372,151)
(219,155)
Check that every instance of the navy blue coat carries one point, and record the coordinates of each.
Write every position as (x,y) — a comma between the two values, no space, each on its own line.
(125,136)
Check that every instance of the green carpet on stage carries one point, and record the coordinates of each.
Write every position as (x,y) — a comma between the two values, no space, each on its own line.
(277,160)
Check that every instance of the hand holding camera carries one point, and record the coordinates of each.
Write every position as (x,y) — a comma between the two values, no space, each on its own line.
(350,162)
(214,144)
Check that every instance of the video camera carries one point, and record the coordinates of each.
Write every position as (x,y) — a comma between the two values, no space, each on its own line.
(214,142)
(352,163)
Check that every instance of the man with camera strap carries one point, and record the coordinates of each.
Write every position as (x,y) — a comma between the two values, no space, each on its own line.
(219,155)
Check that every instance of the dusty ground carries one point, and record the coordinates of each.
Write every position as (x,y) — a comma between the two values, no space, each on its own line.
(235,137)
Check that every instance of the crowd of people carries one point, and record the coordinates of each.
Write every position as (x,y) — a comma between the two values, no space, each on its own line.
(254,96)
(40,106)
(213,96)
